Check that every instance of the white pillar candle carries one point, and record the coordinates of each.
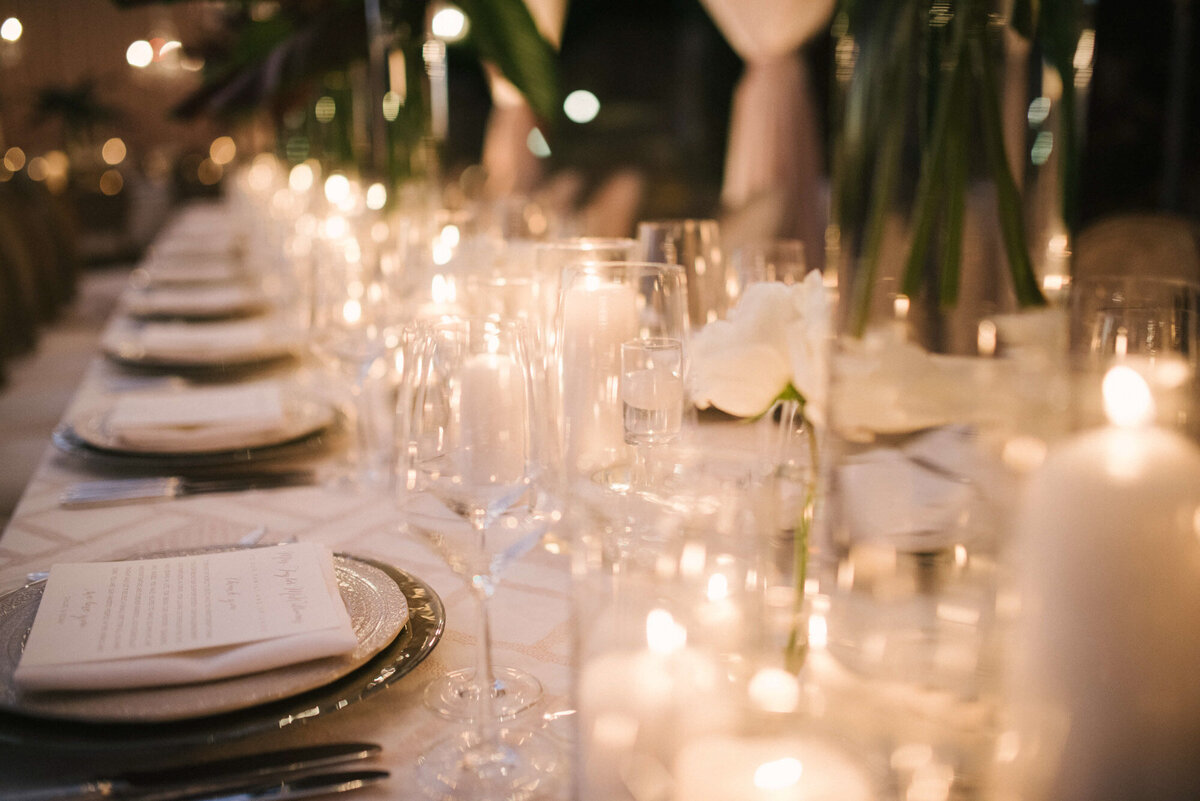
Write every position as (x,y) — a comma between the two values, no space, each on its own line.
(494,420)
(1106,649)
(597,316)
(730,768)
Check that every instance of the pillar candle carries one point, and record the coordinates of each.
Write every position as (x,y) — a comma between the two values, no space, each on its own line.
(597,317)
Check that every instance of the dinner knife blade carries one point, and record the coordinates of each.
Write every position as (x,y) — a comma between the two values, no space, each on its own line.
(211,777)
(302,787)
(131,490)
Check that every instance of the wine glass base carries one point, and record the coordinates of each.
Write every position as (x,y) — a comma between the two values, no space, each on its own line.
(455,695)
(518,765)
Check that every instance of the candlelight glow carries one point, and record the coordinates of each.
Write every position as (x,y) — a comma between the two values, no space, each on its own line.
(778,774)
(663,634)
(301,178)
(376,196)
(337,189)
(442,290)
(718,587)
(1127,399)
(775,690)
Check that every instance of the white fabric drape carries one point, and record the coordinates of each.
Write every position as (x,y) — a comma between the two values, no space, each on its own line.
(774,138)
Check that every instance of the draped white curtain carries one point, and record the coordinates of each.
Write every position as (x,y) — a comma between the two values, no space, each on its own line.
(775,147)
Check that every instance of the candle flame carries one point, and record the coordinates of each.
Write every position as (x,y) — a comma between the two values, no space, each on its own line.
(778,774)
(663,634)
(1127,399)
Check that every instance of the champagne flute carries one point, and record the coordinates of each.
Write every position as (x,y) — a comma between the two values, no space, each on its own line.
(475,471)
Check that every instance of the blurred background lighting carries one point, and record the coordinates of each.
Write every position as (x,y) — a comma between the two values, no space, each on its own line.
(449,24)
(337,188)
(209,172)
(14,158)
(376,196)
(581,106)
(111,182)
(38,168)
(391,106)
(300,179)
(140,54)
(222,150)
(325,109)
(113,151)
(537,144)
(10,29)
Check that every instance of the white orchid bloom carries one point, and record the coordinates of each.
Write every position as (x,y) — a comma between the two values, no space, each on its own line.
(776,334)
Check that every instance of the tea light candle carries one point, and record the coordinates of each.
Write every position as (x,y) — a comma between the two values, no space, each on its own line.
(597,317)
(1107,571)
(730,768)
(635,705)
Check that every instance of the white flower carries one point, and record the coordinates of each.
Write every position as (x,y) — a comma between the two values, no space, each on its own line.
(776,335)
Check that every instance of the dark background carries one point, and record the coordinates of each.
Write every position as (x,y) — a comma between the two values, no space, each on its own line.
(665,77)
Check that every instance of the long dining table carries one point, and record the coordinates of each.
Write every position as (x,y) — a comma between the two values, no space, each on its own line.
(530,619)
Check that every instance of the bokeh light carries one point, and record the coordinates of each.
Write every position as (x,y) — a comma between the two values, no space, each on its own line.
(113,151)
(209,172)
(11,29)
(140,54)
(449,24)
(14,158)
(326,109)
(111,182)
(581,106)
(222,150)
(376,196)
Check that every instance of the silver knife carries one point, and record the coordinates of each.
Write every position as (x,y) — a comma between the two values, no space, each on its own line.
(131,490)
(206,779)
(302,787)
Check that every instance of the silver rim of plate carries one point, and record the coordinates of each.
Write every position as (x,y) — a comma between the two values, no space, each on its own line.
(377,596)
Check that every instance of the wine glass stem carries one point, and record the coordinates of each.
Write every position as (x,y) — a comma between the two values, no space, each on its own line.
(485,711)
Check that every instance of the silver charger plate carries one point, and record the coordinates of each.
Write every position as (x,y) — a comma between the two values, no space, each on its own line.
(235,707)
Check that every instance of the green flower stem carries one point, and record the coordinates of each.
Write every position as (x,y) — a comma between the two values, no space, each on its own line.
(886,177)
(796,649)
(1008,197)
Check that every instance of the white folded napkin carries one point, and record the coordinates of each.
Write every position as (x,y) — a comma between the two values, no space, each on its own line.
(197,417)
(185,619)
(164,339)
(204,299)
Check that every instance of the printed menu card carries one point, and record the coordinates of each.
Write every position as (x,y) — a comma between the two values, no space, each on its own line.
(183,619)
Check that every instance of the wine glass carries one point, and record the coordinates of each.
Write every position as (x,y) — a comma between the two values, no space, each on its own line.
(695,245)
(353,330)
(475,474)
